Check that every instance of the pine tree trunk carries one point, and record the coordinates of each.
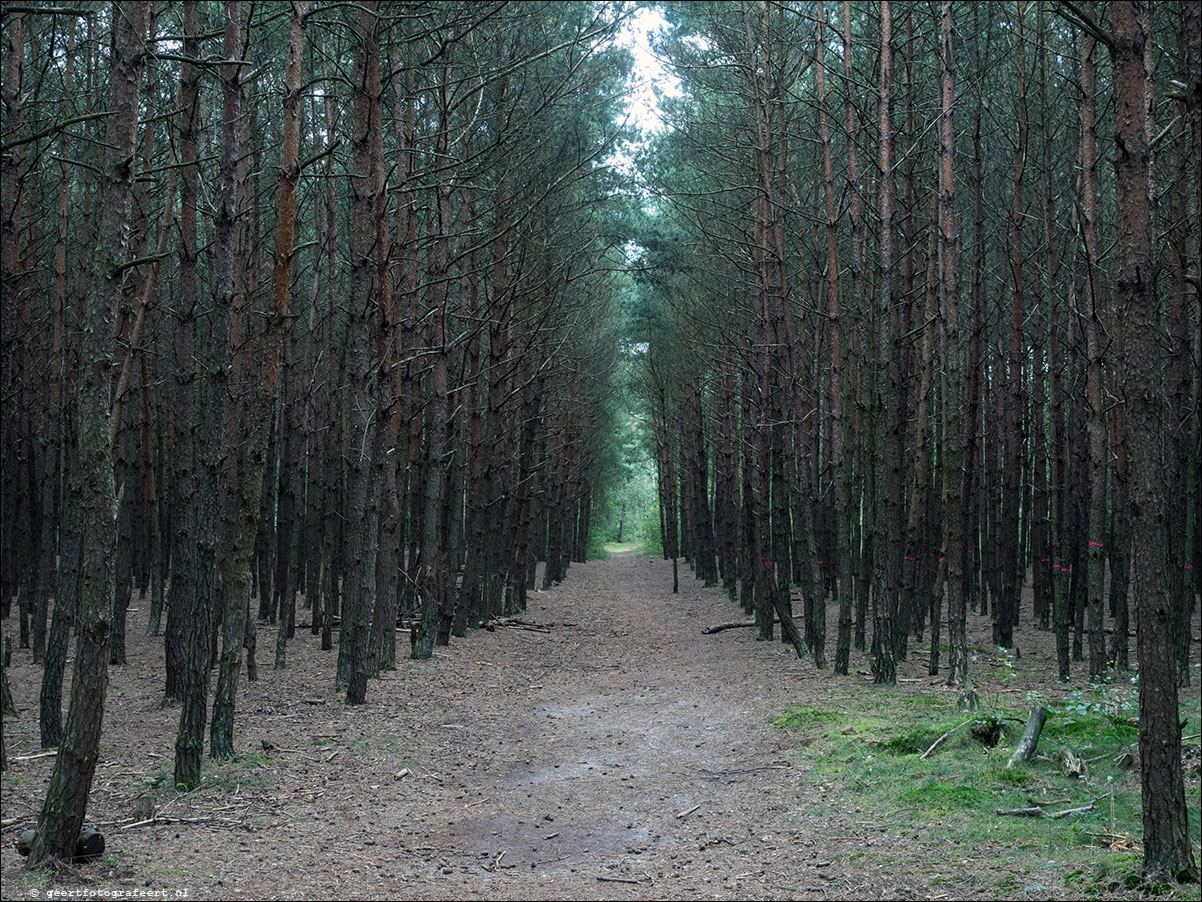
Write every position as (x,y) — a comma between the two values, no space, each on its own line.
(855,300)
(183,608)
(1095,418)
(243,488)
(75,766)
(953,358)
(887,390)
(363,487)
(1168,850)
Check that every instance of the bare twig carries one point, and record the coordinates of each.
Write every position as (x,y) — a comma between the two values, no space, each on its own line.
(935,744)
(1081,810)
(161,819)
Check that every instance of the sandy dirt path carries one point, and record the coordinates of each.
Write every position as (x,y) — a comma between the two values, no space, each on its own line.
(621,744)
(614,753)
(638,750)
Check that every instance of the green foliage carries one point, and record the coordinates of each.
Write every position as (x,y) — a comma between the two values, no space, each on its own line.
(1105,710)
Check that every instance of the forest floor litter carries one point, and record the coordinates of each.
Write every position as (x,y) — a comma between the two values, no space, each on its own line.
(602,747)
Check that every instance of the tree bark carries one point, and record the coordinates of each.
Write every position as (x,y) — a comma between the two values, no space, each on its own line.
(1168,851)
(953,369)
(75,766)
(1096,416)
(244,480)
(363,488)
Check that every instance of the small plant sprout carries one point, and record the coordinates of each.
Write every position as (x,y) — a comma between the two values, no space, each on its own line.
(1008,671)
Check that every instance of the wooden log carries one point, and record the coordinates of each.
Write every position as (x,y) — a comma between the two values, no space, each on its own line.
(1029,742)
(90,844)
(719,627)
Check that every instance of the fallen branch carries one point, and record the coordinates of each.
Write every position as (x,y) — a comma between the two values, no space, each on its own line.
(1038,811)
(1024,812)
(719,627)
(684,814)
(48,754)
(935,744)
(161,819)
(1081,810)
(514,624)
(617,880)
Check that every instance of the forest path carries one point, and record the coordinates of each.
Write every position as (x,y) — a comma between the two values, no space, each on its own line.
(620,743)
(623,744)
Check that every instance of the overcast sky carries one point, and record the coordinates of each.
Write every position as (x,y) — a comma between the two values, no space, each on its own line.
(651,78)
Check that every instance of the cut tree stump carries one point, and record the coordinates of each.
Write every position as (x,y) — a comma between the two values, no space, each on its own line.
(1029,742)
(1072,765)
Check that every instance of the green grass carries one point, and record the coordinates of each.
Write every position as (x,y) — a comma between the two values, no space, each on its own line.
(251,771)
(619,547)
(943,797)
(866,758)
(801,716)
